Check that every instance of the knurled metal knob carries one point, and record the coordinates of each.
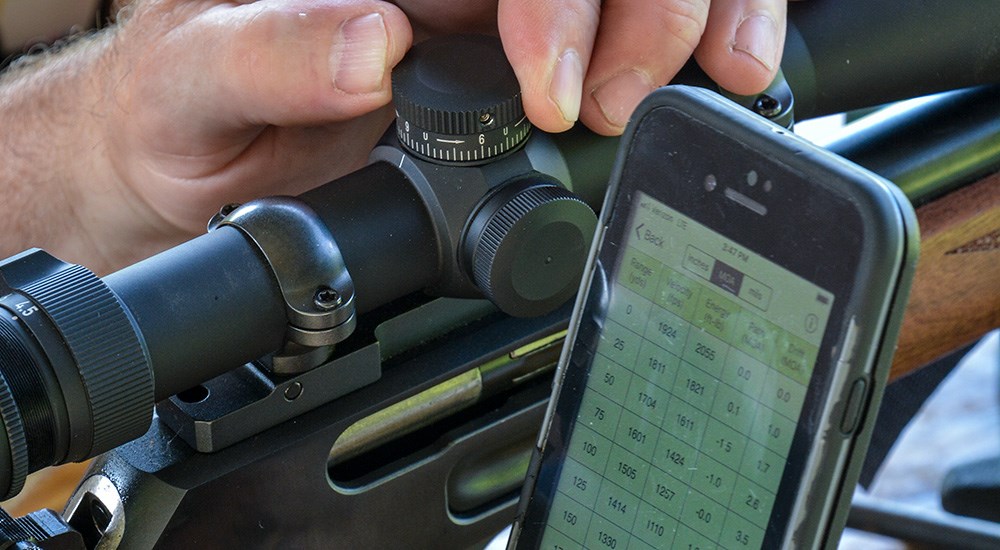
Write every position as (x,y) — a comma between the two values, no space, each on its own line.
(527,245)
(458,101)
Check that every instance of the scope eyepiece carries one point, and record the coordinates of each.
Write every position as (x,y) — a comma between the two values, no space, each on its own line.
(75,379)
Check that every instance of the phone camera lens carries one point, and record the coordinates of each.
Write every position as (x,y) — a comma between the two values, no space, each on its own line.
(752,178)
(710,182)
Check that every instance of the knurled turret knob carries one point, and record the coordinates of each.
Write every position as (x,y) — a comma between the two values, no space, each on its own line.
(526,246)
(458,101)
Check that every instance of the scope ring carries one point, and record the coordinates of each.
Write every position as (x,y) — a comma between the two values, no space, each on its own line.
(307,263)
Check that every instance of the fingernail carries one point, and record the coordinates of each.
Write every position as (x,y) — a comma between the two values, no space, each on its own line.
(757,36)
(358,58)
(619,96)
(567,85)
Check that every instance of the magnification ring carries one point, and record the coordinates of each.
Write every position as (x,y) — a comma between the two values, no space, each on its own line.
(113,369)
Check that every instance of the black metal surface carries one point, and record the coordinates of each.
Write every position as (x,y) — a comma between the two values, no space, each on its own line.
(177,492)
(840,56)
(385,234)
(243,402)
(526,244)
(203,308)
(931,147)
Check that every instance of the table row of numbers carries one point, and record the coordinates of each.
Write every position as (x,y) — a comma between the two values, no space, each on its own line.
(707,361)
(667,515)
(689,432)
(647,289)
(687,407)
(679,466)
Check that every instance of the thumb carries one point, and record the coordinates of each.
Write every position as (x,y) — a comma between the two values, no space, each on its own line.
(742,45)
(234,67)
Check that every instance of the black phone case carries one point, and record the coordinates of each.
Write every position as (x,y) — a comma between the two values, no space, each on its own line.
(866,338)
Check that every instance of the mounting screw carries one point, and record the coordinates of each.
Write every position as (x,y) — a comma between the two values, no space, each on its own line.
(486,119)
(219,216)
(767,106)
(327,298)
(293,391)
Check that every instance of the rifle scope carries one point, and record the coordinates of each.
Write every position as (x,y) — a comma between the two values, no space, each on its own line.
(76,370)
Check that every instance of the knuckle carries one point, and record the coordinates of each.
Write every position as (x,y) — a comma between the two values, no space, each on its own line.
(587,12)
(683,19)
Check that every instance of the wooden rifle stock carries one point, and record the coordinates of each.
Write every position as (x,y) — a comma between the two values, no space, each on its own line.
(955,297)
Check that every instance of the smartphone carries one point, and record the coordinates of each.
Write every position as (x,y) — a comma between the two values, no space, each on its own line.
(730,343)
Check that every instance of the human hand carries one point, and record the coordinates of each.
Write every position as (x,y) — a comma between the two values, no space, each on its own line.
(191,104)
(632,48)
(209,102)
(265,113)
(596,60)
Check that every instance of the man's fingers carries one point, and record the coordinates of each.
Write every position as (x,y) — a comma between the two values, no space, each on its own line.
(549,45)
(640,45)
(742,45)
(271,62)
(306,62)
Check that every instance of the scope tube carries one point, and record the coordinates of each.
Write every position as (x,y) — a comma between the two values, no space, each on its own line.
(211,304)
(204,307)
(848,54)
(384,231)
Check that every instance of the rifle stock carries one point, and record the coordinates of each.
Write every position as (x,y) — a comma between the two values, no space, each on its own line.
(955,297)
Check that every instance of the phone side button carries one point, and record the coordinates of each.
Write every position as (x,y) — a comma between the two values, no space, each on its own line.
(855,402)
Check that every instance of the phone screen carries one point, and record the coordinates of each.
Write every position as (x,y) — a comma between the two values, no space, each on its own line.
(695,389)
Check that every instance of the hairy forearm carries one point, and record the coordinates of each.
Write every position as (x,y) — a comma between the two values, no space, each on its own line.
(56,183)
(48,149)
